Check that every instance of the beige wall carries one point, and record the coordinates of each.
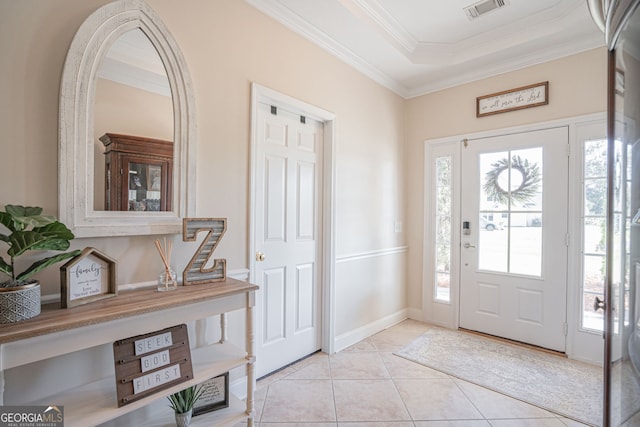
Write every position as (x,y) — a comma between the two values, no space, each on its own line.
(227,45)
(577,85)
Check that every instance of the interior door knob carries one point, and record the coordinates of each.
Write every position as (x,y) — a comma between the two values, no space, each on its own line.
(599,304)
(260,256)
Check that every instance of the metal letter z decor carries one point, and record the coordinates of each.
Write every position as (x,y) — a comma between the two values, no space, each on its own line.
(195,272)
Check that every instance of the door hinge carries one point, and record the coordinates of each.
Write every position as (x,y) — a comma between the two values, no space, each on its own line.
(566,240)
(568,150)
(565,328)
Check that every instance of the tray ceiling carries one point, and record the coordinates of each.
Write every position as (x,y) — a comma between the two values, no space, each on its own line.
(415,47)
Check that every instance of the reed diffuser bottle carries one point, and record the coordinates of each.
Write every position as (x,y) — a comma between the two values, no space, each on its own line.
(166,278)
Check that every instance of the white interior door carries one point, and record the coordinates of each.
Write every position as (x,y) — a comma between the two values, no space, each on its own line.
(287,237)
(513,279)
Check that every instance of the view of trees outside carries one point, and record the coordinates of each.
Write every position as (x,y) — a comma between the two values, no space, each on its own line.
(443,203)
(594,231)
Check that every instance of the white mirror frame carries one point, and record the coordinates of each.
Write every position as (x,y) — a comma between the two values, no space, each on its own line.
(75,140)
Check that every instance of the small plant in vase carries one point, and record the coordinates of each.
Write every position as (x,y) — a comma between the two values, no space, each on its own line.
(183,402)
(28,230)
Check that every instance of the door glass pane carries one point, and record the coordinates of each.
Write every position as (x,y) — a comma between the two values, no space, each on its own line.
(593,231)
(442,221)
(493,244)
(593,269)
(443,230)
(594,235)
(595,191)
(526,185)
(594,243)
(595,158)
(526,244)
(510,220)
(494,170)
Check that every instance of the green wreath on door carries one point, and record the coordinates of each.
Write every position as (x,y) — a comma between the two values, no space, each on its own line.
(526,190)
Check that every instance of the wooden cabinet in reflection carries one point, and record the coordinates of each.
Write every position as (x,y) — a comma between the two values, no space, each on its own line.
(138,173)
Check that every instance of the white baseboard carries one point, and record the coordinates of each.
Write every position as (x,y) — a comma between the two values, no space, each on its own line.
(440,324)
(418,315)
(352,337)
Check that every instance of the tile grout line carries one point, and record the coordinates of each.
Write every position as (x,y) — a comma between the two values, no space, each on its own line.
(333,390)
(453,380)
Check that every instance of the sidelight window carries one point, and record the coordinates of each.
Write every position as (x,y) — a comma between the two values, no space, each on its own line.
(442,220)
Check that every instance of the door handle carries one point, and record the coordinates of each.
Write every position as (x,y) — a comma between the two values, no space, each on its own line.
(468,245)
(260,256)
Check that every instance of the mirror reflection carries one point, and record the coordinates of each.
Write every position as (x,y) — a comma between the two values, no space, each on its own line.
(133,128)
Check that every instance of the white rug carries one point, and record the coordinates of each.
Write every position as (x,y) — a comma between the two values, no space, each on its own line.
(552,382)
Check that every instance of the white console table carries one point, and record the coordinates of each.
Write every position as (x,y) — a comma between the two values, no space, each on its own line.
(57,332)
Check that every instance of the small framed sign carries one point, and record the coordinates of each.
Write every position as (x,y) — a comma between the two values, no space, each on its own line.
(146,364)
(91,276)
(215,395)
(513,99)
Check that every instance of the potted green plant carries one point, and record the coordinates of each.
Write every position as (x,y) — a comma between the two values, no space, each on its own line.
(182,404)
(28,230)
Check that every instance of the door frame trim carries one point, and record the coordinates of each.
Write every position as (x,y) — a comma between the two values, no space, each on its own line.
(262,94)
(447,314)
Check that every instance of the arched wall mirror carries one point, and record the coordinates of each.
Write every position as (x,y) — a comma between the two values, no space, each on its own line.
(127,127)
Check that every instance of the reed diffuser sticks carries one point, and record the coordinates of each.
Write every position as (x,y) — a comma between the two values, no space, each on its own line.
(165,254)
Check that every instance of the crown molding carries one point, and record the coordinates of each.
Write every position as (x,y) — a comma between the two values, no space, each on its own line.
(449,64)
(503,66)
(301,27)
(386,24)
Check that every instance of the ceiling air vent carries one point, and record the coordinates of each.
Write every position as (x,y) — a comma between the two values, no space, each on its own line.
(478,9)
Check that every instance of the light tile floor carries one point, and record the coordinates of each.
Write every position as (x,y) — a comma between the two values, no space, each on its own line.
(366,385)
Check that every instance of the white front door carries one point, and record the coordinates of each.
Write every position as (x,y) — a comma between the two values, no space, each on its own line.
(513,279)
(287,215)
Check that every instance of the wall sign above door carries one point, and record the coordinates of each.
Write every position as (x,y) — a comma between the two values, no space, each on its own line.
(513,99)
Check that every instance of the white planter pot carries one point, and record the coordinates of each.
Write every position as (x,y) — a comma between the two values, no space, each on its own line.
(183,420)
(19,303)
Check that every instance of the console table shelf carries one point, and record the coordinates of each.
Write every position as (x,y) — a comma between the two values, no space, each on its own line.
(57,332)
(163,416)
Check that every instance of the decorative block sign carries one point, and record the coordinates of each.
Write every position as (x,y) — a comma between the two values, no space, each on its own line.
(197,271)
(146,364)
(91,276)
